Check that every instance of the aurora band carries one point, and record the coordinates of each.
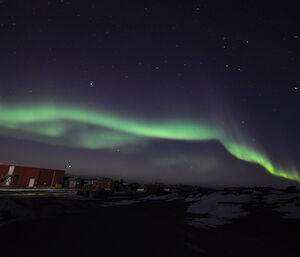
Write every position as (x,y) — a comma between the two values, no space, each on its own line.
(55,121)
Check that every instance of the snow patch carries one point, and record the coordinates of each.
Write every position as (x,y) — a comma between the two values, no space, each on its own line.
(122,202)
(218,209)
(278,197)
(206,223)
(160,197)
(290,210)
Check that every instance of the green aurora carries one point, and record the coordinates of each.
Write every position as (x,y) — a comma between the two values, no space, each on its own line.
(84,128)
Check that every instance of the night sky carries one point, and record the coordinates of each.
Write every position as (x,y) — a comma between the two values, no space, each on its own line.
(194,92)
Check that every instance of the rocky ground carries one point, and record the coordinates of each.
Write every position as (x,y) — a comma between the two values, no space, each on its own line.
(229,222)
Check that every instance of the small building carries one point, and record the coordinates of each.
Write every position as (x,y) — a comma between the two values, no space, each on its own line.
(11,175)
(103,184)
(156,188)
(73,182)
(141,189)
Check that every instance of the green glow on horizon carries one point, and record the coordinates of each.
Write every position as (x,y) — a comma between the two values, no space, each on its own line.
(99,130)
(250,155)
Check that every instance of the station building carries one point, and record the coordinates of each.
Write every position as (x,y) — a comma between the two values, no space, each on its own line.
(12,175)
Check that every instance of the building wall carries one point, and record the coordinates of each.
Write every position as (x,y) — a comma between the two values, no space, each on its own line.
(59,177)
(46,177)
(3,169)
(24,174)
(42,177)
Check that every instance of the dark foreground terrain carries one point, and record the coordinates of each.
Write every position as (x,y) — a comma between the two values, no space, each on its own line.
(233,224)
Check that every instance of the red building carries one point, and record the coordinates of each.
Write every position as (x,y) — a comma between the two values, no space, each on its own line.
(11,175)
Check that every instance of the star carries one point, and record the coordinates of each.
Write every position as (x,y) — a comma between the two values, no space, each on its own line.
(69,166)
